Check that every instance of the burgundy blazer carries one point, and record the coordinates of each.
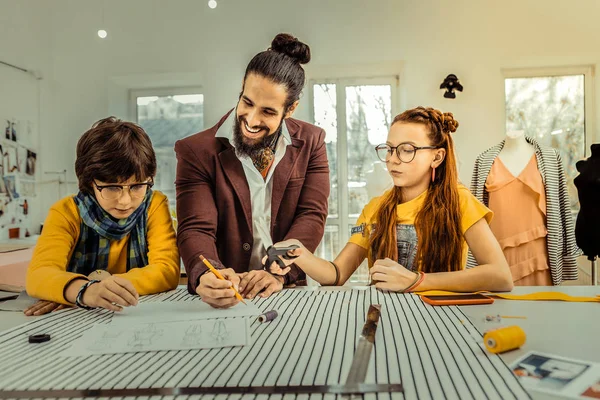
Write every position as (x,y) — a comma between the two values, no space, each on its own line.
(214,211)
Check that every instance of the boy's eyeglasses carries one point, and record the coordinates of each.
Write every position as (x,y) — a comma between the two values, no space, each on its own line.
(113,192)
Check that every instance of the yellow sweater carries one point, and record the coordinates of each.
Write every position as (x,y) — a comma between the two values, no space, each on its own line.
(47,276)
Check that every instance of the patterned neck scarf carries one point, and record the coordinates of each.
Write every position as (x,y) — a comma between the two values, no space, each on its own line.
(98,229)
(265,158)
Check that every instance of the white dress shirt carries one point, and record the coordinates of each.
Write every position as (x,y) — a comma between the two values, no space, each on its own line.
(260,190)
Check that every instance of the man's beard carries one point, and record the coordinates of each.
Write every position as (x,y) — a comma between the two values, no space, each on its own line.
(252,150)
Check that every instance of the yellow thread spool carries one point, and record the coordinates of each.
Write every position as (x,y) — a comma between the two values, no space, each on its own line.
(504,339)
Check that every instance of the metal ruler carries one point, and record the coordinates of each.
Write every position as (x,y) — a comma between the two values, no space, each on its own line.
(348,389)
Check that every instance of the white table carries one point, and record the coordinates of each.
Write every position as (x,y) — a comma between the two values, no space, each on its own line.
(567,329)
(556,327)
(561,328)
(9,319)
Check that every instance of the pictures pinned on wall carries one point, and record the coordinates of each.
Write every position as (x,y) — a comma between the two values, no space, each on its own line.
(30,163)
(10,181)
(18,169)
(10,132)
(10,160)
(17,155)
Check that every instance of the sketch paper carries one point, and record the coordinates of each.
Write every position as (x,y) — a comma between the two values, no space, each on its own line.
(187,335)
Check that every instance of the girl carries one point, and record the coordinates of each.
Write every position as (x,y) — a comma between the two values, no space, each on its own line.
(114,240)
(416,234)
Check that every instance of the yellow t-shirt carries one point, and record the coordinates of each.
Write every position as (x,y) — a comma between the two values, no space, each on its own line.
(47,275)
(471,209)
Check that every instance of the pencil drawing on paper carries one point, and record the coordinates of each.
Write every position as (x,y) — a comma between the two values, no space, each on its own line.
(145,336)
(220,333)
(185,335)
(105,341)
(192,336)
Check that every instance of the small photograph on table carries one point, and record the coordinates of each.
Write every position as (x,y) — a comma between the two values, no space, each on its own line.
(538,371)
(593,392)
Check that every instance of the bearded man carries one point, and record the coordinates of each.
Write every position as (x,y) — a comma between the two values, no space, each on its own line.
(256,178)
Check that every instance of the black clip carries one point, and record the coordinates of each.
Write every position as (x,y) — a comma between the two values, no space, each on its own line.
(40,338)
(273,254)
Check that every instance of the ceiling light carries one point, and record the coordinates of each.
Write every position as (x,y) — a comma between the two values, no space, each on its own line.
(102,34)
(212,3)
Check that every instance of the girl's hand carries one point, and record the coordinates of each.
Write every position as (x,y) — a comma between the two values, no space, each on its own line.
(274,268)
(389,275)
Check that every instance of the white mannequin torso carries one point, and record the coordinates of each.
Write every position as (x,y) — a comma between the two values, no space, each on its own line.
(516,153)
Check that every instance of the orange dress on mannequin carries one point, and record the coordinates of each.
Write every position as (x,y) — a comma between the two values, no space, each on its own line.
(519,224)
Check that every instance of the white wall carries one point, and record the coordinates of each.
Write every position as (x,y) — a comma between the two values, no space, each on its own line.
(183,42)
(23,43)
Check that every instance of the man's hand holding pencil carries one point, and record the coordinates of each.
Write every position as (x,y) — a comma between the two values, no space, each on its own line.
(219,288)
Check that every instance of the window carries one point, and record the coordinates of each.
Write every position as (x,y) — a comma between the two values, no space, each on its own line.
(356,116)
(168,115)
(550,106)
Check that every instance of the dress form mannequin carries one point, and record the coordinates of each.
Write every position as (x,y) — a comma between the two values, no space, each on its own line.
(490,175)
(588,187)
(517,196)
(516,153)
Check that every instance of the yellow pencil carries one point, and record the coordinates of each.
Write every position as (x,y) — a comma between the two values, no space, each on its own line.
(513,316)
(219,276)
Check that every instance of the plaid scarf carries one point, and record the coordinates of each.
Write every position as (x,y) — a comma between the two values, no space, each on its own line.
(98,229)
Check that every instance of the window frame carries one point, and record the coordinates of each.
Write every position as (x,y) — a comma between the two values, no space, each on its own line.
(344,220)
(588,72)
(159,92)
(163,92)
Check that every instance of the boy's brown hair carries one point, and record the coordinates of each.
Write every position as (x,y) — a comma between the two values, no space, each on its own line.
(113,150)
